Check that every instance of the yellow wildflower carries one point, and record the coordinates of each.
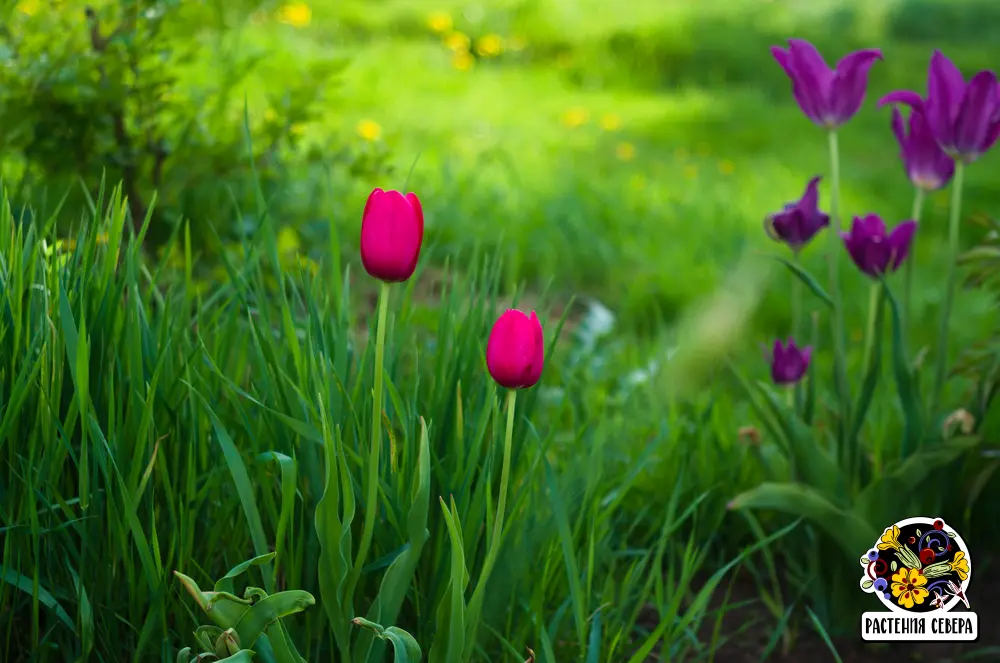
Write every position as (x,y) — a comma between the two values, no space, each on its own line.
(575,117)
(369,130)
(908,587)
(29,7)
(295,14)
(625,151)
(611,122)
(727,167)
(458,42)
(463,60)
(489,46)
(889,539)
(440,22)
(288,241)
(102,239)
(690,172)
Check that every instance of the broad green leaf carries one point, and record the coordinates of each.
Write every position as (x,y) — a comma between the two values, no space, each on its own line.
(268,610)
(846,529)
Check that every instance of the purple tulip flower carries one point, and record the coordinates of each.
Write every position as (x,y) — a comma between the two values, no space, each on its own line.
(789,363)
(797,223)
(828,97)
(874,251)
(927,165)
(964,117)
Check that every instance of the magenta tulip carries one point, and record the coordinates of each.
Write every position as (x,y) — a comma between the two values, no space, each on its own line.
(515,352)
(392,230)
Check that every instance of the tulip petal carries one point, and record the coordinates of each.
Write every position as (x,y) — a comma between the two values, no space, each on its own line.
(850,83)
(905,97)
(811,79)
(538,359)
(514,352)
(900,240)
(810,199)
(899,130)
(945,89)
(782,56)
(973,122)
(928,166)
(390,237)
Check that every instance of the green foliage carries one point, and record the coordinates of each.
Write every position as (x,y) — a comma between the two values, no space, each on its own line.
(125,91)
(153,425)
(244,623)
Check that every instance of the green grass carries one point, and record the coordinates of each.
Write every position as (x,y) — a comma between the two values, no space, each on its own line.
(149,429)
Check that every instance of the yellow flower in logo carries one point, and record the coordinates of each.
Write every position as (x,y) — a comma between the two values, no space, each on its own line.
(960,565)
(890,539)
(908,587)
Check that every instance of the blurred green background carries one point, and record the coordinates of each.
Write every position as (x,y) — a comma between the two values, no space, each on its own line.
(621,156)
(628,154)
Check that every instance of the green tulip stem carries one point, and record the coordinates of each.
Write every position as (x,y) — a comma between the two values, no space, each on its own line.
(371,480)
(508,441)
(797,328)
(954,220)
(837,320)
(873,294)
(475,604)
(918,206)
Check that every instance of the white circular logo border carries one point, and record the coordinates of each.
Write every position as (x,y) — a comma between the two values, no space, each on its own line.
(892,605)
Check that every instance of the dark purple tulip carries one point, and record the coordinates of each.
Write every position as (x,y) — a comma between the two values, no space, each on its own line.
(964,117)
(798,222)
(828,97)
(873,250)
(788,362)
(927,165)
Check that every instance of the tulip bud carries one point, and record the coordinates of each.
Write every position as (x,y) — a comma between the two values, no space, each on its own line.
(789,363)
(515,352)
(392,230)
(874,250)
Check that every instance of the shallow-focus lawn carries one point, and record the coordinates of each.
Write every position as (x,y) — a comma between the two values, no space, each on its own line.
(631,155)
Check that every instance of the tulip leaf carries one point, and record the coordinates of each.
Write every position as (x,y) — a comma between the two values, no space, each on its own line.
(812,464)
(269,610)
(399,577)
(404,645)
(905,384)
(871,376)
(867,584)
(879,501)
(809,408)
(849,531)
(225,583)
(799,272)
